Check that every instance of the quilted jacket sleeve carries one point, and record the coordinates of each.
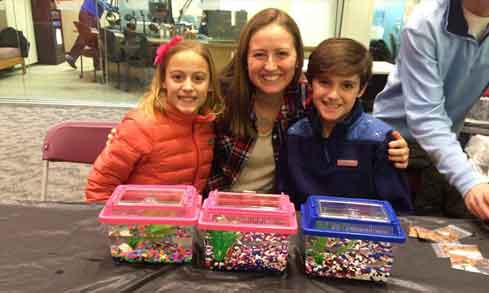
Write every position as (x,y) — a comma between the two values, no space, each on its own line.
(116,162)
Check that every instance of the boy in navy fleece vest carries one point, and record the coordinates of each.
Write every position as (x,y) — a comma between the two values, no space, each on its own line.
(338,149)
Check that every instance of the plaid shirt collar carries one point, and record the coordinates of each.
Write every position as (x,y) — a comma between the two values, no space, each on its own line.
(232,152)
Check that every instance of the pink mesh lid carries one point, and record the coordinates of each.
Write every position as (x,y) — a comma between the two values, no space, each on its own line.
(248,212)
(152,204)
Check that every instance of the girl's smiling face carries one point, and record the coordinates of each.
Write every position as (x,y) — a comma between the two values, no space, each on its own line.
(187,80)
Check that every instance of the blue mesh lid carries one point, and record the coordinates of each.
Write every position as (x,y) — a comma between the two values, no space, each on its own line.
(351,218)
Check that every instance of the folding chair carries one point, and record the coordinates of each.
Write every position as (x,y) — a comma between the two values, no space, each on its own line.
(136,54)
(75,142)
(112,49)
(91,46)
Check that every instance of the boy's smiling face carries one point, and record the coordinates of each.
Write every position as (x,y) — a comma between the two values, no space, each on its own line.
(334,97)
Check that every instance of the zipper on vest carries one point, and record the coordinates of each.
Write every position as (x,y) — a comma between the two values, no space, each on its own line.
(197,155)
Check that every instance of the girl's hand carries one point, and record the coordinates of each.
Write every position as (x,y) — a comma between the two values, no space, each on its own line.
(398,152)
(111,136)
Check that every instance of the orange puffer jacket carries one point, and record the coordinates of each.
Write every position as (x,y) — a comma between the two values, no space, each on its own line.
(173,148)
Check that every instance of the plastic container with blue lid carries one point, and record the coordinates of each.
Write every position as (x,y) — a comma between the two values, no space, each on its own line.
(349,237)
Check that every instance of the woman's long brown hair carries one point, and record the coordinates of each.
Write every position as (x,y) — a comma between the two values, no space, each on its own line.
(234,79)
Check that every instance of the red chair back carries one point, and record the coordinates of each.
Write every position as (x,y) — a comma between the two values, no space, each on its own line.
(76,141)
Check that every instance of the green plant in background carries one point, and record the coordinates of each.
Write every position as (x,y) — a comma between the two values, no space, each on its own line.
(344,248)
(221,241)
(317,249)
(133,241)
(150,232)
(159,230)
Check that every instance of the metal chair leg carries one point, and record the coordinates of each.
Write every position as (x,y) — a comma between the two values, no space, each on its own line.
(118,75)
(128,71)
(44,187)
(81,66)
(23,66)
(94,71)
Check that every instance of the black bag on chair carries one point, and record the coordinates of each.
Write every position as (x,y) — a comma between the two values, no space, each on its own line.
(12,38)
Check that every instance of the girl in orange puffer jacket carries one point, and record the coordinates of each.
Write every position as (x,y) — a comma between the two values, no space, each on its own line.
(169,137)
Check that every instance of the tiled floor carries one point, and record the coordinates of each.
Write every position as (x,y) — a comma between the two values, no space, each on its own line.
(29,104)
(60,84)
(22,129)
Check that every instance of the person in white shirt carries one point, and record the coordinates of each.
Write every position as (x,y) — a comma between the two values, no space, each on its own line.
(441,72)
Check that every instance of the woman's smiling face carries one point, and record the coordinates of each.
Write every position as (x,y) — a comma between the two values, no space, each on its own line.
(271,59)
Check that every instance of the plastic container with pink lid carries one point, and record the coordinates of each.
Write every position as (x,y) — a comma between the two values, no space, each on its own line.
(151,223)
(246,231)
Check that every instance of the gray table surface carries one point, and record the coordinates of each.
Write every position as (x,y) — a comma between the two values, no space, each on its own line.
(63,248)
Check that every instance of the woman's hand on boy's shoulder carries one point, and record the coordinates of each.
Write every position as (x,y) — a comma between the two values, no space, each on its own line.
(398,152)
(112,134)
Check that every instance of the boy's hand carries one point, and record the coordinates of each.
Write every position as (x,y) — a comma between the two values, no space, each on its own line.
(111,136)
(398,151)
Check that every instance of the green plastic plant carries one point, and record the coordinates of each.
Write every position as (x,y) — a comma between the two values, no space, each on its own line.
(150,232)
(159,230)
(221,241)
(317,249)
(344,248)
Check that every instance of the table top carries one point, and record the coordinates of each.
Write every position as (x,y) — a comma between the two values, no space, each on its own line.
(382,67)
(378,67)
(62,247)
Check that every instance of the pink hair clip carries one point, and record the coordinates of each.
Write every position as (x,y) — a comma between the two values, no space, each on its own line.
(163,49)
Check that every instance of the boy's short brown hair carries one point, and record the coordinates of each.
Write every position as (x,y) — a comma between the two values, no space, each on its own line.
(340,56)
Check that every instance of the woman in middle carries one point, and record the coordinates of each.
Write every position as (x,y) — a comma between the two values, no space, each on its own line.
(265,93)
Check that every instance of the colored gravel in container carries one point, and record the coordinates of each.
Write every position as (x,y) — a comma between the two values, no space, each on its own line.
(345,258)
(246,232)
(349,238)
(151,243)
(248,251)
(151,223)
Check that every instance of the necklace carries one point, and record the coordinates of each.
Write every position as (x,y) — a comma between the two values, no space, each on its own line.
(263,124)
(265,114)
